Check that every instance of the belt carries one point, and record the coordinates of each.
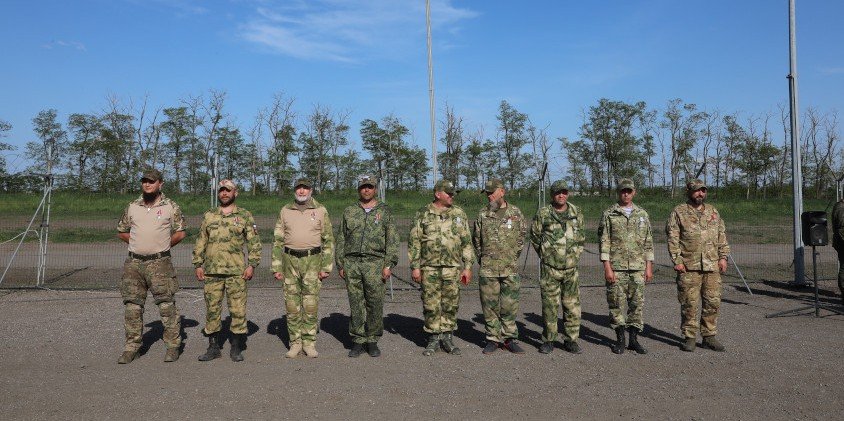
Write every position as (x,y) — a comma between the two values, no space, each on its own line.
(150,256)
(303,253)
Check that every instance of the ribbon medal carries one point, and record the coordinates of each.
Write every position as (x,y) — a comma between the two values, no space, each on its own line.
(158,214)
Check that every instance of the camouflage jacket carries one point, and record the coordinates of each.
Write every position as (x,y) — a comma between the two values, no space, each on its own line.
(558,237)
(696,239)
(368,234)
(838,225)
(498,238)
(440,238)
(626,242)
(318,222)
(219,246)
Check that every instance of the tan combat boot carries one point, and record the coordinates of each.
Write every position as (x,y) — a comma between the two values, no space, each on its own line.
(127,357)
(295,349)
(310,349)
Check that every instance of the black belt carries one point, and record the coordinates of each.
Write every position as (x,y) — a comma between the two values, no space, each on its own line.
(303,253)
(150,256)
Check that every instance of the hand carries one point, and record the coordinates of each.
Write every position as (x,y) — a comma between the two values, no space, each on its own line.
(680,268)
(609,275)
(722,265)
(322,275)
(649,274)
(416,274)
(248,273)
(466,276)
(386,273)
(278,276)
(342,273)
(200,274)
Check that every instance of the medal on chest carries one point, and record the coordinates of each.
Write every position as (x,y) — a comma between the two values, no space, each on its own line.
(158,214)
(509,223)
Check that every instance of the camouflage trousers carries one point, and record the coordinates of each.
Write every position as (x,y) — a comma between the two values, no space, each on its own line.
(629,290)
(500,304)
(440,298)
(234,288)
(158,277)
(560,286)
(841,271)
(301,296)
(694,287)
(366,298)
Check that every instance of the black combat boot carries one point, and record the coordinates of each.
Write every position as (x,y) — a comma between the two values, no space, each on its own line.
(571,346)
(634,342)
(546,347)
(433,345)
(618,346)
(449,346)
(513,346)
(356,350)
(213,351)
(372,350)
(237,347)
(491,346)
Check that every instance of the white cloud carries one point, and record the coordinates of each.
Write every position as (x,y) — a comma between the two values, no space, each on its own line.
(65,44)
(347,30)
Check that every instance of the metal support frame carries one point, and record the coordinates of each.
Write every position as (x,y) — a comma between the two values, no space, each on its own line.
(817,306)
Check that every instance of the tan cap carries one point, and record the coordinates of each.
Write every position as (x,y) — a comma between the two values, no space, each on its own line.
(227,184)
(152,174)
(492,185)
(367,180)
(445,186)
(695,185)
(626,183)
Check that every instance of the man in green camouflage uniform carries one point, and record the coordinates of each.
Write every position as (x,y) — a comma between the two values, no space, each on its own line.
(218,259)
(303,255)
(557,236)
(838,241)
(697,244)
(367,250)
(627,252)
(498,237)
(440,252)
(151,225)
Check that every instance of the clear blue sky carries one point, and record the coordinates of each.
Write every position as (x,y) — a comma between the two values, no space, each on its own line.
(550,59)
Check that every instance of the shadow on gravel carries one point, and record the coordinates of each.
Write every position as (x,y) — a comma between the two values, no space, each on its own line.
(409,328)
(791,292)
(251,328)
(469,332)
(337,325)
(528,336)
(156,333)
(278,327)
(593,336)
(660,335)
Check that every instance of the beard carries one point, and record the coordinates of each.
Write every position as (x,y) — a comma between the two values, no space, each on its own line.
(150,197)
(226,202)
(697,200)
(494,206)
(302,199)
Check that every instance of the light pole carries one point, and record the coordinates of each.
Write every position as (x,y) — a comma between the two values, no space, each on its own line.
(796,165)
(431,95)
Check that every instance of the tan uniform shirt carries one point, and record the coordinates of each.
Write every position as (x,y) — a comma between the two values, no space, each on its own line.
(150,228)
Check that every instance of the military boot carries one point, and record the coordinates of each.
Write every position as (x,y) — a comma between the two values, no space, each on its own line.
(127,357)
(546,347)
(491,346)
(295,350)
(449,346)
(171,355)
(713,344)
(432,346)
(372,349)
(237,346)
(634,342)
(310,349)
(356,350)
(572,346)
(618,346)
(213,351)
(688,345)
(513,346)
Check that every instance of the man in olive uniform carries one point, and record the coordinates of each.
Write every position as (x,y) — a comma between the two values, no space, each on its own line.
(151,225)
(303,255)
(440,252)
(697,244)
(218,259)
(557,236)
(838,241)
(498,237)
(367,250)
(627,252)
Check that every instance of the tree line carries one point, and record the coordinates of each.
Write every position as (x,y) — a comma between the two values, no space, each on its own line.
(197,139)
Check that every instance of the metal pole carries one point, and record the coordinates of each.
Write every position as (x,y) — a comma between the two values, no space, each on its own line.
(796,165)
(44,230)
(431,95)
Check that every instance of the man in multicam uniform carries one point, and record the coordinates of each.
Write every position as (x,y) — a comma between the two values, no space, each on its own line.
(367,249)
(627,252)
(151,225)
(218,259)
(440,251)
(557,236)
(697,244)
(838,241)
(303,255)
(498,237)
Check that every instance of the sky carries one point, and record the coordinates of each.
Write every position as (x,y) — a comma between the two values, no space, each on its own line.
(549,59)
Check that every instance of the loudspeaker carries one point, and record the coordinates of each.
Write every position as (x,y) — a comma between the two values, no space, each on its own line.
(814,228)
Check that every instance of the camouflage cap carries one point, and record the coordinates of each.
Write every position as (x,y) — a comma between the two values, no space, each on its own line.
(558,186)
(626,183)
(445,186)
(303,182)
(492,185)
(367,180)
(695,185)
(227,184)
(152,174)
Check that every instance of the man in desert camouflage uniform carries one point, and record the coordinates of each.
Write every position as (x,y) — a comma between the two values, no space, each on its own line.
(440,252)
(367,250)
(838,241)
(151,225)
(557,236)
(697,244)
(218,259)
(498,237)
(627,252)
(303,255)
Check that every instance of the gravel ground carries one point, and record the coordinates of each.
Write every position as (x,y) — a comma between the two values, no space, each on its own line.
(59,351)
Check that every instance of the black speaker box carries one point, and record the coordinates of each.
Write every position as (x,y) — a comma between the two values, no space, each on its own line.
(814,228)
